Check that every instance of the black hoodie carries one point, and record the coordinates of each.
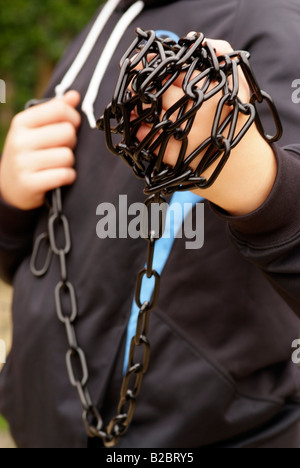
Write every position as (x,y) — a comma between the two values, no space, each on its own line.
(221,373)
(124,4)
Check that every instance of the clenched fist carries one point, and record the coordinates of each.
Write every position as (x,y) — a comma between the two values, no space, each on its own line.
(38,152)
(249,175)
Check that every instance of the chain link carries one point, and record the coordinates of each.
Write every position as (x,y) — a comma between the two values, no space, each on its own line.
(148,69)
(159,62)
(58,242)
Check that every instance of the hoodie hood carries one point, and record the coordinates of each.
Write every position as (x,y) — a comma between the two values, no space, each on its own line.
(131,9)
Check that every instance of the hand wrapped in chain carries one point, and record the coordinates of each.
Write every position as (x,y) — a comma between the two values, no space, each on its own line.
(185,113)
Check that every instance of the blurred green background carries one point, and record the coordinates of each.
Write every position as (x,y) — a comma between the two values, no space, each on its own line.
(33,37)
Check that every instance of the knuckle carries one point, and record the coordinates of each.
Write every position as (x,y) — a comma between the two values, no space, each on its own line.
(18,142)
(221,45)
(67,176)
(17,120)
(226,45)
(70,134)
(69,157)
(70,131)
(60,107)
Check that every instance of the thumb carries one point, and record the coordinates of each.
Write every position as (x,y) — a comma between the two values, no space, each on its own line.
(72,98)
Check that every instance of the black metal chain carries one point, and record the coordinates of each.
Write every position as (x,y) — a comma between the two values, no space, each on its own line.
(150,67)
(57,243)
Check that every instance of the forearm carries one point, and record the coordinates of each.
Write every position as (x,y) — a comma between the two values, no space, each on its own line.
(247,179)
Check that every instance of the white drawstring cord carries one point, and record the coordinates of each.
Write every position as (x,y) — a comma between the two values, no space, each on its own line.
(106,56)
(87,47)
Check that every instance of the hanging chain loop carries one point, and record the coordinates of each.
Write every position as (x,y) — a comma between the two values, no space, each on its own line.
(58,242)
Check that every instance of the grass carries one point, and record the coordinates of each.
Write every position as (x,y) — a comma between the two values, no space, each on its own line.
(3,424)
(5,438)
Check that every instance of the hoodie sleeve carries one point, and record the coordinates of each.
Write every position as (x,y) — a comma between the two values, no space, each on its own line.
(16,234)
(270,236)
